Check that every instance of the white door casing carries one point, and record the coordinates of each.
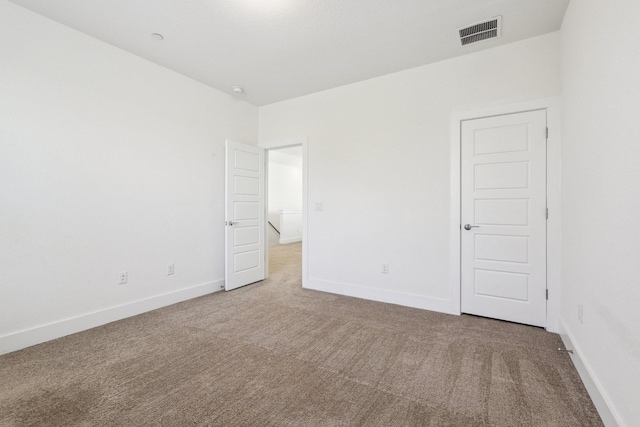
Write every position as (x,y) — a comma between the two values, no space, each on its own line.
(503,198)
(244,214)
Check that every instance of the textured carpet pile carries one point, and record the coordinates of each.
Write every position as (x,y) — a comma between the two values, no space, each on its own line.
(274,354)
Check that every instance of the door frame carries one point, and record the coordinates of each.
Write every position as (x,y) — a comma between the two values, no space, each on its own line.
(279,145)
(552,106)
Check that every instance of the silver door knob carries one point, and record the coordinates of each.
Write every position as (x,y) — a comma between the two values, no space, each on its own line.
(230,222)
(469,226)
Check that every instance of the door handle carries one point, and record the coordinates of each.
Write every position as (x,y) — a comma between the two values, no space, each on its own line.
(229,222)
(469,226)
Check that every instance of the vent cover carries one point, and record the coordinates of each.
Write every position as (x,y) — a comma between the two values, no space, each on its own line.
(481,31)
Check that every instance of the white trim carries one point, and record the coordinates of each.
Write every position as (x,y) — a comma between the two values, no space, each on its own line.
(380,295)
(552,105)
(290,240)
(601,400)
(305,211)
(28,337)
(554,223)
(279,145)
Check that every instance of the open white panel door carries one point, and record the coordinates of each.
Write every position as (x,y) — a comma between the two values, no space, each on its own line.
(244,211)
(503,242)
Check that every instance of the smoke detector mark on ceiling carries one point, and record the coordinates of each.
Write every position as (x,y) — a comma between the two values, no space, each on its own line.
(479,31)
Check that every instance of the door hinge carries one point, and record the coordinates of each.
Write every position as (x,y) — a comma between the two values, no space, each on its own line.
(546,135)
(547,293)
(546,214)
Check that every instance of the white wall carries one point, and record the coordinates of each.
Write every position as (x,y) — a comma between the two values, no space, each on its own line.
(601,196)
(285,182)
(107,163)
(378,158)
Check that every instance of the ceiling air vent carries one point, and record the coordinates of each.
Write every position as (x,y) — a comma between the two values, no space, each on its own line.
(481,31)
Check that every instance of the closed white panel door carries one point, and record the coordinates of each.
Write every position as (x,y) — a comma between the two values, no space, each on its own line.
(503,232)
(244,237)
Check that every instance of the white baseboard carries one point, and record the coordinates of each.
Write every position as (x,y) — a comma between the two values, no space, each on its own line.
(382,295)
(290,240)
(39,334)
(603,404)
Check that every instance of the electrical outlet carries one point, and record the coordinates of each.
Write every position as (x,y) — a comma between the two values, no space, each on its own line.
(385,268)
(124,277)
(170,269)
(319,206)
(580,313)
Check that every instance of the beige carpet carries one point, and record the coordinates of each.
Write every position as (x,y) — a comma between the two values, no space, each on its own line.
(273,354)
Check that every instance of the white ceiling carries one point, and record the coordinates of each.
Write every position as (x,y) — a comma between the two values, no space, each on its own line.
(281,49)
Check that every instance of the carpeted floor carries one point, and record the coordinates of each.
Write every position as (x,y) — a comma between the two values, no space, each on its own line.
(274,354)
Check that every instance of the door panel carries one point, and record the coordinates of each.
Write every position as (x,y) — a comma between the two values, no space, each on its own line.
(501,284)
(246,160)
(503,253)
(502,211)
(244,261)
(505,139)
(246,186)
(501,248)
(500,176)
(246,211)
(244,237)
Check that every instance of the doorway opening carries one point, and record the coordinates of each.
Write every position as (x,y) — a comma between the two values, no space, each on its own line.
(284,206)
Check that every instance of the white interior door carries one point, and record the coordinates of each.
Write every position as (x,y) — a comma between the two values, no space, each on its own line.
(503,231)
(245,222)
